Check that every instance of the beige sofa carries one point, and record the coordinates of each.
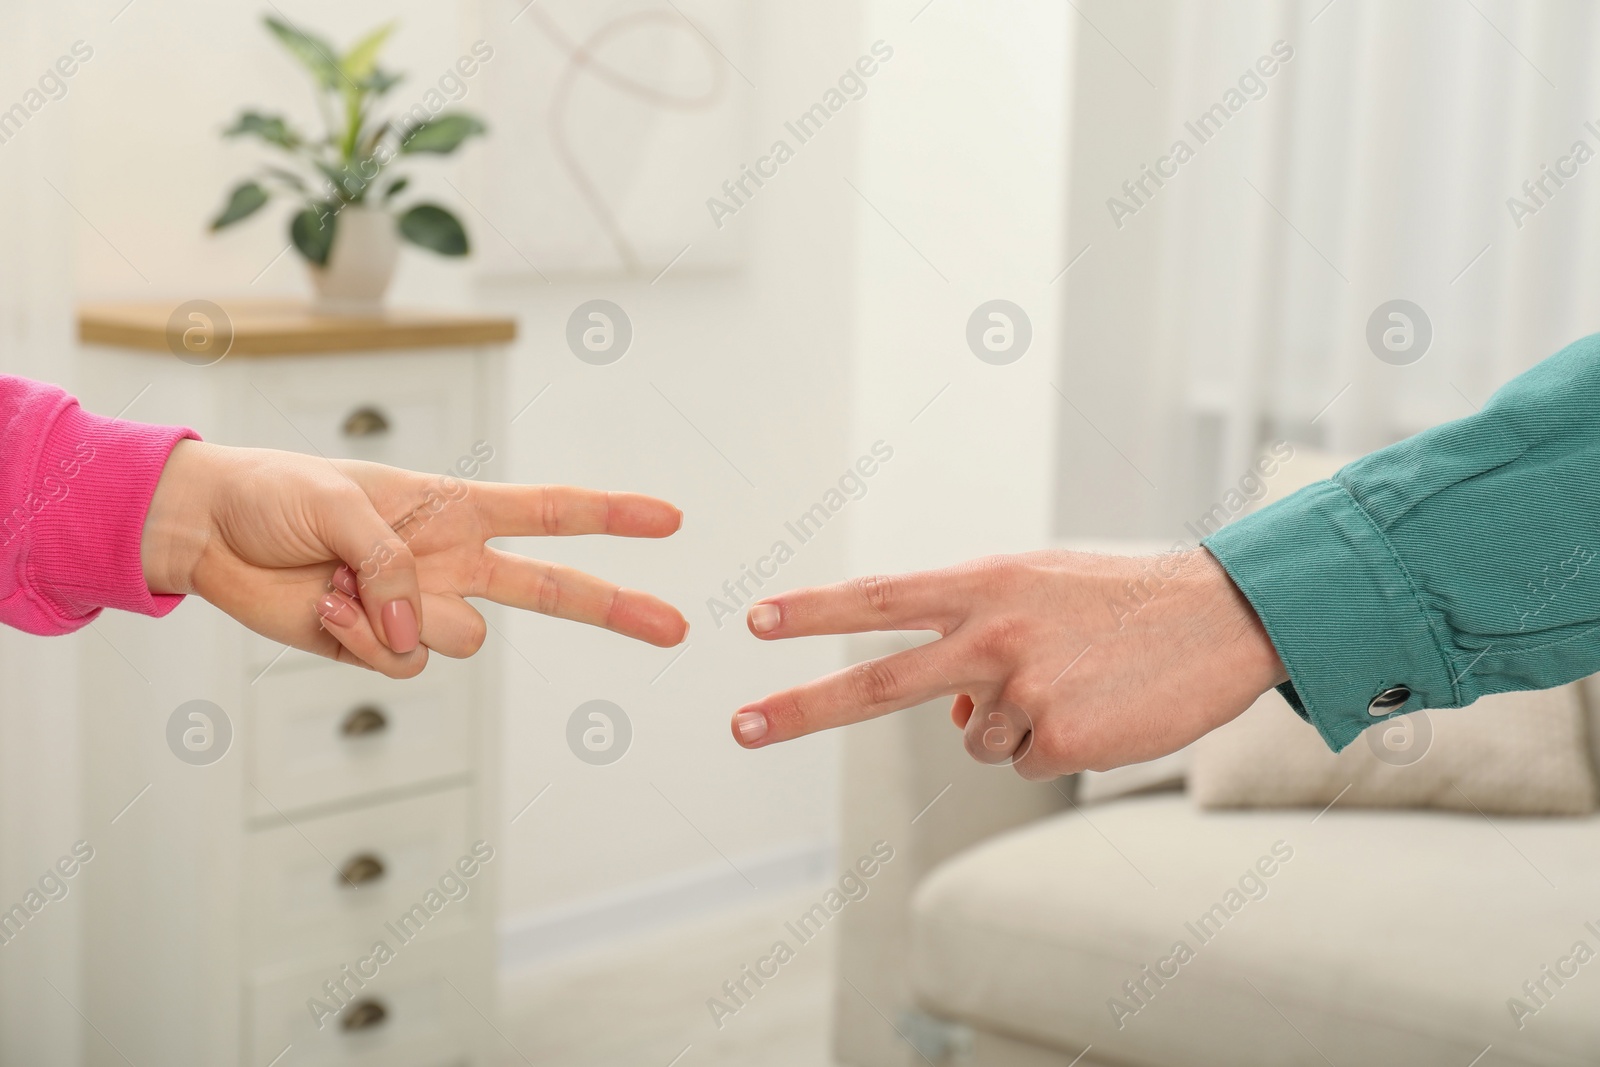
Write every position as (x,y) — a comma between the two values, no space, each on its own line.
(1011,917)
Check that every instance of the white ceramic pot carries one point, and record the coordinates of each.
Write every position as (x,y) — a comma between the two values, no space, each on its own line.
(366,247)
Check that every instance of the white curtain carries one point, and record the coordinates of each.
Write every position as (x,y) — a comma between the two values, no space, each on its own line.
(1231,308)
(39,781)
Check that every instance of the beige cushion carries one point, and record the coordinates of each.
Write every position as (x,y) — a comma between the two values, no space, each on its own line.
(1387,937)
(1589,690)
(1510,754)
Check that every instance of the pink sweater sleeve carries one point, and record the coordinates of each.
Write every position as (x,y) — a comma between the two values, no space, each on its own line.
(74,489)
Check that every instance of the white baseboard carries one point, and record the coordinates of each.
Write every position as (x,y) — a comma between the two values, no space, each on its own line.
(539,936)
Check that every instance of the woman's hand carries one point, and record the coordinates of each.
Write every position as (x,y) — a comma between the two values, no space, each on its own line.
(368,564)
(1059,661)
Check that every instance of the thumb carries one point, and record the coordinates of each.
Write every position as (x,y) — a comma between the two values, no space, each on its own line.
(385,570)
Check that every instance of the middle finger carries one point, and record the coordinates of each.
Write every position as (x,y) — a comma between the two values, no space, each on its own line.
(864,691)
(566,593)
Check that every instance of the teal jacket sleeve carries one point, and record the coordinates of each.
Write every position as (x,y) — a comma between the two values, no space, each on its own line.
(1458,563)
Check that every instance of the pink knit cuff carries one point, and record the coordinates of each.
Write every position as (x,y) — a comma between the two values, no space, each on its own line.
(91,490)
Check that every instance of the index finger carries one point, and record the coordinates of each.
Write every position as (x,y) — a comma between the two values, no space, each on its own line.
(925,600)
(566,510)
(864,691)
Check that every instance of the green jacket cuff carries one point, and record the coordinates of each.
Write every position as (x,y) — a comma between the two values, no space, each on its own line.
(1346,618)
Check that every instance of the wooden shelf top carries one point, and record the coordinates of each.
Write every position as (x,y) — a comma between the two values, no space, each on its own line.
(263,328)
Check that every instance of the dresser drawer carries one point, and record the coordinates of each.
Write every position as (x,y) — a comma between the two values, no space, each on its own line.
(407,1015)
(341,882)
(403,409)
(330,732)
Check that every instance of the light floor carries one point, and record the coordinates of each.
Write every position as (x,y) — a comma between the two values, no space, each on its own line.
(644,1001)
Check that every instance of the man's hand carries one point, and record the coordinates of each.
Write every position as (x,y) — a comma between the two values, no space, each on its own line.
(1059,661)
(368,564)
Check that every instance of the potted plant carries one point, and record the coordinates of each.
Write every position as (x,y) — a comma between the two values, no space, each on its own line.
(346,228)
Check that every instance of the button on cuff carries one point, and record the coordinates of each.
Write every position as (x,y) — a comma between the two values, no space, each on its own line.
(1389,701)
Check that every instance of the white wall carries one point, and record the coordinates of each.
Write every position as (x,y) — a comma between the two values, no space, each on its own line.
(758,360)
(962,153)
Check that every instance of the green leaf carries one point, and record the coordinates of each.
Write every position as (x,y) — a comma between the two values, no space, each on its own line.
(312,232)
(435,229)
(381,81)
(362,59)
(288,177)
(343,181)
(246,199)
(376,133)
(270,128)
(315,54)
(442,134)
(396,187)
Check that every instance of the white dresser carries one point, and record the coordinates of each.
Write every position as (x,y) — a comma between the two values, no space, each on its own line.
(238,882)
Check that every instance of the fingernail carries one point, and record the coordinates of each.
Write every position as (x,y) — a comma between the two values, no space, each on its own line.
(344,580)
(335,609)
(400,625)
(764,618)
(752,725)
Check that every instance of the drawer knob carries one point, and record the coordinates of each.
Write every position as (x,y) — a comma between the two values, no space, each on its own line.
(363,721)
(361,870)
(366,422)
(364,1015)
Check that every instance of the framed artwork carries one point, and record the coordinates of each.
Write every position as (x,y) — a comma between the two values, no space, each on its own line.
(613,125)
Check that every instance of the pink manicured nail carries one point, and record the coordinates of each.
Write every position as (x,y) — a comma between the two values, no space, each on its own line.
(752,725)
(344,580)
(400,625)
(336,609)
(764,618)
